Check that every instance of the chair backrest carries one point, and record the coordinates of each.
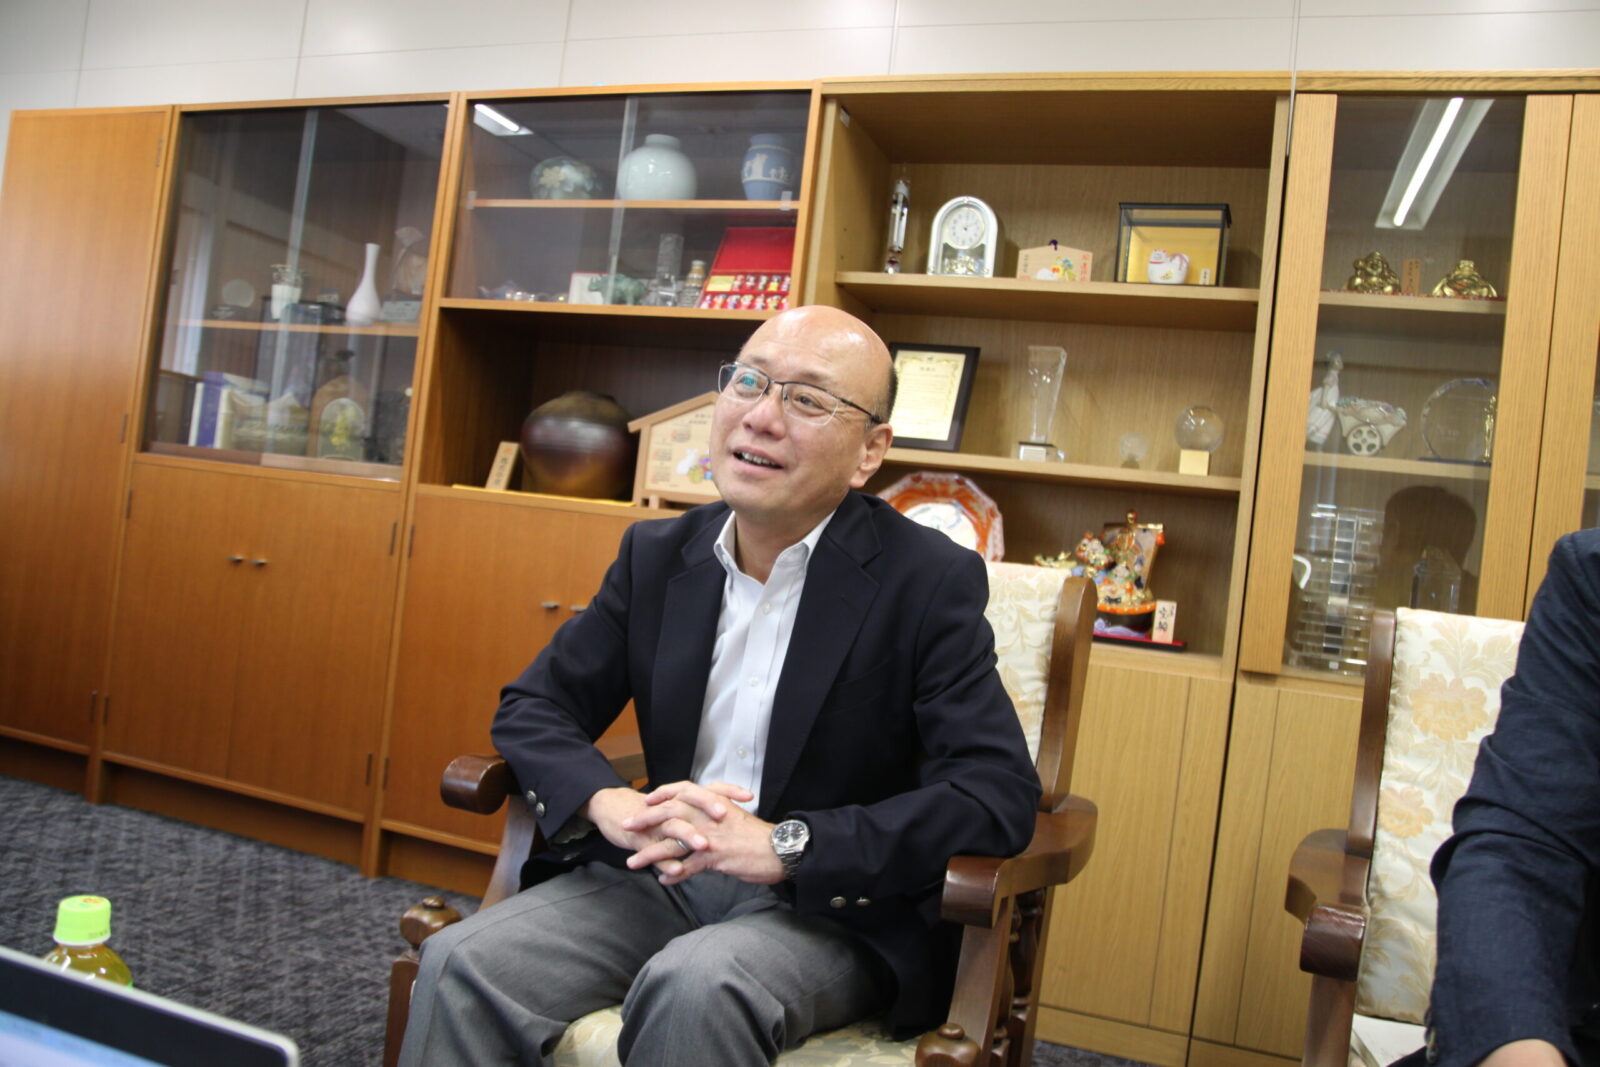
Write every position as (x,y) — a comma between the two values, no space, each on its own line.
(1442,697)
(1043,624)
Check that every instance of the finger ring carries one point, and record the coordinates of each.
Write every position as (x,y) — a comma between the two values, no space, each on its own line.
(683,845)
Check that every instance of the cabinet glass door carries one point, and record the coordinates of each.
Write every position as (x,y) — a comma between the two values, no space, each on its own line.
(683,200)
(1426,374)
(298,253)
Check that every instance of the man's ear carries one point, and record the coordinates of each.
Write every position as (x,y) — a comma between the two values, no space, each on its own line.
(872,452)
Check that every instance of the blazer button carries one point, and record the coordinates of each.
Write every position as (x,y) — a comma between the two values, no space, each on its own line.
(533,798)
(538,809)
(862,902)
(836,902)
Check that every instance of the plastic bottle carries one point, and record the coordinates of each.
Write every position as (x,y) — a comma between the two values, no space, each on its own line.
(83,925)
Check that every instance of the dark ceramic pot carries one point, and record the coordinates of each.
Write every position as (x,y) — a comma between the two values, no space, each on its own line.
(578,445)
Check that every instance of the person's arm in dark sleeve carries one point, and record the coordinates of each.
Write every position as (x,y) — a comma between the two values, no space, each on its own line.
(1512,879)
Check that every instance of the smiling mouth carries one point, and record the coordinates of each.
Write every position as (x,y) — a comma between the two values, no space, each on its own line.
(759,461)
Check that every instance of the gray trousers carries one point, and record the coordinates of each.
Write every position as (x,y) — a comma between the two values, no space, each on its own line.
(712,972)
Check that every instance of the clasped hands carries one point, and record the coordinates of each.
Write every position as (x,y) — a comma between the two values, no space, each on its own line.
(658,826)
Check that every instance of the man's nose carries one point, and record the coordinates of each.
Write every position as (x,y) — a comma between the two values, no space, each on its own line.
(767,411)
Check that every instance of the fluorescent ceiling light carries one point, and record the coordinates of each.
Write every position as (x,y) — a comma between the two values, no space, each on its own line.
(1439,136)
(496,123)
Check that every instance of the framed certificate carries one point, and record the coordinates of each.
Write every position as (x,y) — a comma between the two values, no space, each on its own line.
(935,386)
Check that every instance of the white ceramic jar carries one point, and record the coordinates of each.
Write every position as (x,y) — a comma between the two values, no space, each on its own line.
(656,170)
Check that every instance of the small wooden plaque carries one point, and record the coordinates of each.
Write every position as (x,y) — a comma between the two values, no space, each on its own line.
(1411,277)
(1165,622)
(505,458)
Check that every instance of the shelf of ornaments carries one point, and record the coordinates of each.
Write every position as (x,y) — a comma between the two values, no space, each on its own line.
(613,310)
(1411,468)
(1209,485)
(1193,307)
(376,329)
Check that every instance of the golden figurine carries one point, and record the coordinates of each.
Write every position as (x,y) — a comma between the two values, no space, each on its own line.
(1373,275)
(1465,282)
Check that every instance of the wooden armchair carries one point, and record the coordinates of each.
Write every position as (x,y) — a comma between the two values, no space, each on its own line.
(1364,893)
(1043,623)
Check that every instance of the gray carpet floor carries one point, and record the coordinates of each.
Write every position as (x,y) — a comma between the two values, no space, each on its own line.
(283,940)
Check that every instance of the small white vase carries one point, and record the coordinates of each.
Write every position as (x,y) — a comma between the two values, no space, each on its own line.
(656,170)
(364,306)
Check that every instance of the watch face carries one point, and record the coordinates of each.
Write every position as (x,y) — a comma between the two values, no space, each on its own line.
(790,835)
(963,227)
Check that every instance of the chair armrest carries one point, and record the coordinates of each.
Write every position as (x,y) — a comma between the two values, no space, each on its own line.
(477,783)
(481,784)
(1327,891)
(975,886)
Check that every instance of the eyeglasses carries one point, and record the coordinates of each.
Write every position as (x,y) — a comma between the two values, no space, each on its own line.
(802,401)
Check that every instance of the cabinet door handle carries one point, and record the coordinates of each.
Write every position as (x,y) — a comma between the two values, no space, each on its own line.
(259,562)
(235,559)
(580,607)
(549,605)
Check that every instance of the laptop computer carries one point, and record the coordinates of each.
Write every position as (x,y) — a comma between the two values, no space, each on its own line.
(55,1018)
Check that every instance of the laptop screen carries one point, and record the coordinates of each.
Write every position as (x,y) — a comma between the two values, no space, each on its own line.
(52,1018)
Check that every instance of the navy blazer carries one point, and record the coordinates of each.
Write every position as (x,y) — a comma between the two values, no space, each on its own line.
(1518,879)
(891,734)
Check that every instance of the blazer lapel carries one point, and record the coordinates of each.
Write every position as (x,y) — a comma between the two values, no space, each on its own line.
(838,592)
(683,658)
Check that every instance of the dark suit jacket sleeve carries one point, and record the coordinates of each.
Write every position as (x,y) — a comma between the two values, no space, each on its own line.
(975,790)
(1512,879)
(551,715)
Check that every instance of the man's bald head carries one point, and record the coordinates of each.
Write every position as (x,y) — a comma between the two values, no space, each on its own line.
(840,337)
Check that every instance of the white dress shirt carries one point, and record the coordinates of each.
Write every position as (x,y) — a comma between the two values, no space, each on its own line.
(753,632)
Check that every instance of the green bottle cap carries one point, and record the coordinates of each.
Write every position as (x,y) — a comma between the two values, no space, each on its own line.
(83,921)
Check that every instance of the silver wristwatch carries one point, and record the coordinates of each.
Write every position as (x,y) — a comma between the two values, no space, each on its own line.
(789,841)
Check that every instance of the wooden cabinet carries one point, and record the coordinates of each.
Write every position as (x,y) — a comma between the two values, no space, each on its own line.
(1569,464)
(252,632)
(79,220)
(470,626)
(298,251)
(1415,487)
(1054,157)
(1120,969)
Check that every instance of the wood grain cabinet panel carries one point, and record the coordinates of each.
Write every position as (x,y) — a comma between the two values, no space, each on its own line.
(470,628)
(82,194)
(314,642)
(251,632)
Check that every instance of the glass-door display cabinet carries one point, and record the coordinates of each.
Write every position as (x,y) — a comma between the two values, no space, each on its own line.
(611,242)
(1409,368)
(298,256)
(665,200)
(1569,469)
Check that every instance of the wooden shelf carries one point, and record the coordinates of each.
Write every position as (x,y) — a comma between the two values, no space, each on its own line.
(768,207)
(540,500)
(1101,303)
(379,474)
(1413,468)
(377,329)
(618,310)
(1422,317)
(1068,473)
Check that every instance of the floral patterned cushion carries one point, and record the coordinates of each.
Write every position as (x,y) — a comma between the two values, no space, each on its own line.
(592,1042)
(1444,698)
(1022,612)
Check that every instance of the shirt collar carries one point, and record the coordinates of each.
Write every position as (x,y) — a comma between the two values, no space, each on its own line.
(797,554)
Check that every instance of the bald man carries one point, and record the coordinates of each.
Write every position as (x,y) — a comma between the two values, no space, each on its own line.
(823,728)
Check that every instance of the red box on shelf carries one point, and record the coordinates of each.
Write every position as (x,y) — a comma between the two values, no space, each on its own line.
(751,269)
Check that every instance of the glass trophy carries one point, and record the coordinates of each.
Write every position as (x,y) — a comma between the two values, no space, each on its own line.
(1046,365)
